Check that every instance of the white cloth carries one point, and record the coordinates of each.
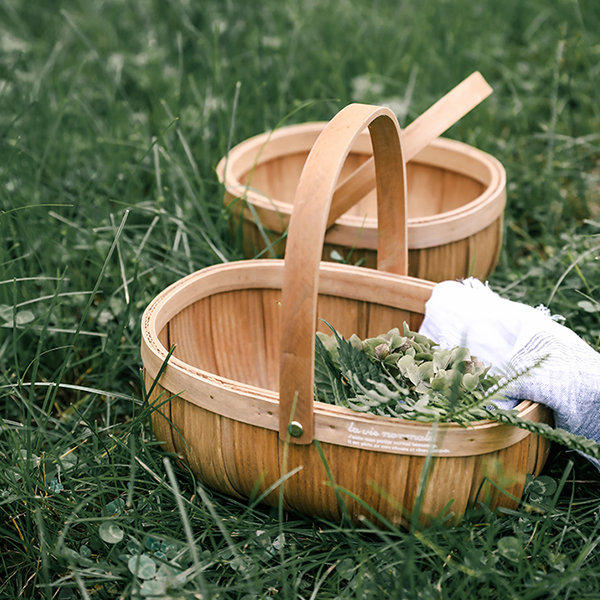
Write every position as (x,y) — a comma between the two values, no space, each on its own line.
(512,338)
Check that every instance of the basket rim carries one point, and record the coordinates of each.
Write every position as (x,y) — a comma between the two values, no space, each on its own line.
(223,396)
(423,231)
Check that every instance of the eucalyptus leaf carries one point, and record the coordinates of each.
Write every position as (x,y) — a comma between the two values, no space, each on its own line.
(405,362)
(329,385)
(413,373)
(470,381)
(441,358)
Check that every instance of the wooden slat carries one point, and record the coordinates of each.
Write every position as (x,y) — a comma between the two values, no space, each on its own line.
(342,314)
(202,445)
(308,491)
(384,486)
(383,318)
(271,307)
(458,191)
(278,177)
(426,190)
(191,332)
(454,476)
(237,329)
(251,458)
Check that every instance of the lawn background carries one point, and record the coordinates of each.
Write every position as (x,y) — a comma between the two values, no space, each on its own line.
(113,115)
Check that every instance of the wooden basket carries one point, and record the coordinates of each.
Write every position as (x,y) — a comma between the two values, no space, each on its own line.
(456,200)
(239,386)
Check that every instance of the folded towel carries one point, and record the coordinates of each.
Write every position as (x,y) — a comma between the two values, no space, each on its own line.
(513,338)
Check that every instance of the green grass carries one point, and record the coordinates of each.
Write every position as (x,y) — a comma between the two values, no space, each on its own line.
(113,116)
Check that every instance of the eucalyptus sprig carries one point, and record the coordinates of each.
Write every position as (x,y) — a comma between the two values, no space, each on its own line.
(402,375)
(578,443)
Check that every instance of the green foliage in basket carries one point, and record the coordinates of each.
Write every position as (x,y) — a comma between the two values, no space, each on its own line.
(402,375)
(407,375)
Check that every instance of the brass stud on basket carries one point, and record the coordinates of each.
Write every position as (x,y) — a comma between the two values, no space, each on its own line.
(295,429)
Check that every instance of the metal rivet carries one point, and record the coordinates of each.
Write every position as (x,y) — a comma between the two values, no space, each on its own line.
(295,429)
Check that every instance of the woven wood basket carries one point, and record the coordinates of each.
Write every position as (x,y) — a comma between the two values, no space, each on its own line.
(238,389)
(456,200)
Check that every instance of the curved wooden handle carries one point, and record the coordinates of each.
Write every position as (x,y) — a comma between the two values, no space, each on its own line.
(304,247)
(432,123)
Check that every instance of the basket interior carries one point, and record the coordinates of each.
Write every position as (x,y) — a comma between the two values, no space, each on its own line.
(235,334)
(431,189)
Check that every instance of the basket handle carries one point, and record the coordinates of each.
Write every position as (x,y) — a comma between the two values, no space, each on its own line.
(304,247)
(421,132)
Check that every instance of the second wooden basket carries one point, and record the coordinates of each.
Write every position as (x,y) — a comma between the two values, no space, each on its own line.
(456,200)
(236,398)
